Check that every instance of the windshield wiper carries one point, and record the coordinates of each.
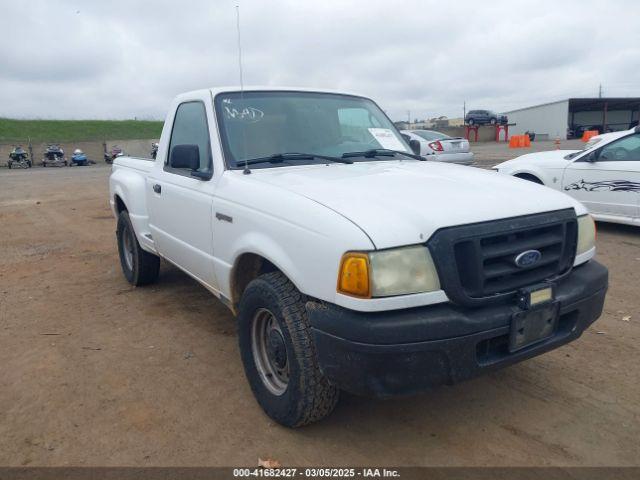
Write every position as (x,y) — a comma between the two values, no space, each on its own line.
(281,157)
(381,152)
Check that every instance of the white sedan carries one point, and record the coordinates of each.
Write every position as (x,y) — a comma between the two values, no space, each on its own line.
(440,147)
(604,176)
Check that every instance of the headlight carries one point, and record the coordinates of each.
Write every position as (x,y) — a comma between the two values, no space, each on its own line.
(586,234)
(399,271)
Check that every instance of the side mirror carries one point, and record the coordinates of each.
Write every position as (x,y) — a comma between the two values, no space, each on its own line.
(415,146)
(591,158)
(185,156)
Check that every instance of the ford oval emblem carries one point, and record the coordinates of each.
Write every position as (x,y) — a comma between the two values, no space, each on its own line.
(528,258)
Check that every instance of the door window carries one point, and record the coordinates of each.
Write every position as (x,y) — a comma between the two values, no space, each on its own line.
(190,128)
(624,149)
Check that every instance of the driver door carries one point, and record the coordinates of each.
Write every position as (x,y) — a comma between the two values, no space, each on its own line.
(607,180)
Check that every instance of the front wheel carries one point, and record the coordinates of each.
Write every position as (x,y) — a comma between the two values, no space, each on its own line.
(470,122)
(493,121)
(139,266)
(279,355)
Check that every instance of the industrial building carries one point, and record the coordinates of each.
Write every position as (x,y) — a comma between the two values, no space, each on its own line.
(569,118)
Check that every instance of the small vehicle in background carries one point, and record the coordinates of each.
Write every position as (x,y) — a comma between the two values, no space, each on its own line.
(19,157)
(154,150)
(484,117)
(54,156)
(440,147)
(79,158)
(111,155)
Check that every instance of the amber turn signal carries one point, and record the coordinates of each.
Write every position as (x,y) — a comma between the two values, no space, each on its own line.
(353,278)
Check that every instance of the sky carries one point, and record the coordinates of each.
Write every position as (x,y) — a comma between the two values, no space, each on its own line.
(78,59)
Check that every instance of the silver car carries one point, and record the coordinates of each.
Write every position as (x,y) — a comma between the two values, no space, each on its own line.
(440,147)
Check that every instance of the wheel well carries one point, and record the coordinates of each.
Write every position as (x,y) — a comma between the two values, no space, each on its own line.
(530,177)
(248,267)
(120,206)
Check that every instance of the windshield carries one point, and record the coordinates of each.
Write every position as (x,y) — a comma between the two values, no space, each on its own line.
(592,141)
(429,135)
(256,125)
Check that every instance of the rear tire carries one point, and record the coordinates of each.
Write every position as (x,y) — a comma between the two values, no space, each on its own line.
(493,121)
(279,355)
(139,266)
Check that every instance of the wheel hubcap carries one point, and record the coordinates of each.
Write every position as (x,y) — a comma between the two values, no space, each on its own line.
(127,246)
(269,351)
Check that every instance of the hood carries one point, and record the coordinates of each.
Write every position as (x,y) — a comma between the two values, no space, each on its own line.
(404,202)
(551,158)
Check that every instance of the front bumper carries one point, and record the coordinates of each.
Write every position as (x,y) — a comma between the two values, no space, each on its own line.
(408,351)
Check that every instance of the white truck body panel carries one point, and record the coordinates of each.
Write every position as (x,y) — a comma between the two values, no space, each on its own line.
(304,218)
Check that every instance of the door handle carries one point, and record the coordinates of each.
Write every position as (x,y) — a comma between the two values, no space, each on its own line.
(157,188)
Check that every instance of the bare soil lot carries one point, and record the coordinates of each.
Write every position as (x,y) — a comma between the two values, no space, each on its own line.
(95,372)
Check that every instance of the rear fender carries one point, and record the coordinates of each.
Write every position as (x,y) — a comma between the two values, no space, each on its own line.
(130,187)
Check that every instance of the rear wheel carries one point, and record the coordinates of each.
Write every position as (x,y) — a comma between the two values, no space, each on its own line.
(139,266)
(493,121)
(279,355)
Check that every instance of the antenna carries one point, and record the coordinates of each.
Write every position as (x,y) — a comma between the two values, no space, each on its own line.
(239,49)
(246,170)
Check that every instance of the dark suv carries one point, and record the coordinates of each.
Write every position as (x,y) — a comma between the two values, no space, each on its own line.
(483,117)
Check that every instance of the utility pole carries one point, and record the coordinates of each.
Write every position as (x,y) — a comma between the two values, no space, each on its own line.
(464,110)
(600,91)
(409,116)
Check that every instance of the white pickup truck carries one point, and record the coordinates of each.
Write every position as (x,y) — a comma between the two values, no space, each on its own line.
(350,262)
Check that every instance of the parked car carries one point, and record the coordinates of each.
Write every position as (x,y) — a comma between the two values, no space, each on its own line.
(484,117)
(578,130)
(440,147)
(604,176)
(351,263)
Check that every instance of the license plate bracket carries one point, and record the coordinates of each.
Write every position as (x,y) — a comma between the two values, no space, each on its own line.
(533,326)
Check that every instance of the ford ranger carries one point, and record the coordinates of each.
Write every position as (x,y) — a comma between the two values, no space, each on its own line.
(350,262)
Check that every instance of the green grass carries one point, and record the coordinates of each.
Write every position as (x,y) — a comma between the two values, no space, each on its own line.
(42,131)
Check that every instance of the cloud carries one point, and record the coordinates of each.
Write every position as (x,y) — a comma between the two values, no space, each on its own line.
(124,59)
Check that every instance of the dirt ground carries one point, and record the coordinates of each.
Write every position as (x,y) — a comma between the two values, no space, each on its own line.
(95,372)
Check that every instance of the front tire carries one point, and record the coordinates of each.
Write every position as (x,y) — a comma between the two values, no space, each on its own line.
(279,355)
(471,122)
(139,266)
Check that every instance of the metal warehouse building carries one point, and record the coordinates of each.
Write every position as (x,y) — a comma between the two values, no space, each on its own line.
(569,118)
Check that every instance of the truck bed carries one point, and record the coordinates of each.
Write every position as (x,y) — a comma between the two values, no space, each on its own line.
(135,163)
